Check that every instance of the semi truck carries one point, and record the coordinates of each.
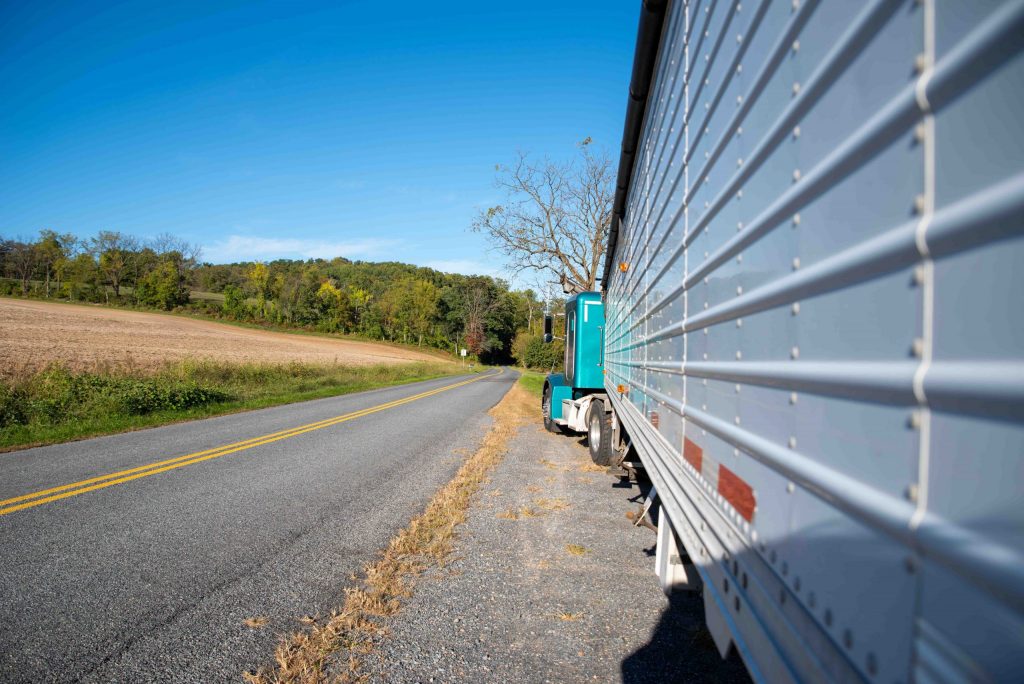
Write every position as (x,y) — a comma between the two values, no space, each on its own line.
(810,330)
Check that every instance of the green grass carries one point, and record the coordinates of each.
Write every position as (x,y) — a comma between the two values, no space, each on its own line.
(532,381)
(56,405)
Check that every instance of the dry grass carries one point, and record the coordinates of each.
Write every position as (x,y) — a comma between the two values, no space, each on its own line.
(568,617)
(591,467)
(517,513)
(551,504)
(577,550)
(330,650)
(255,622)
(534,489)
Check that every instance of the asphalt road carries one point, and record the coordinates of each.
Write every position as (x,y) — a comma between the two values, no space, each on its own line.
(151,578)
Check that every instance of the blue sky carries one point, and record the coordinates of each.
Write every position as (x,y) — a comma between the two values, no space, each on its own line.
(368,130)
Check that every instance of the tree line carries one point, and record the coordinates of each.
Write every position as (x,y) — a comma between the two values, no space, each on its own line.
(387,301)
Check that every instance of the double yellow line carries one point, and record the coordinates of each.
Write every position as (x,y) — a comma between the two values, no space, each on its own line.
(24,501)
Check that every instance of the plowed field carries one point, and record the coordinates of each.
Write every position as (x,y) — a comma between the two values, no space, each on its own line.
(34,334)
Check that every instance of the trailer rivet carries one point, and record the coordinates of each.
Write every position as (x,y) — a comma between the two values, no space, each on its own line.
(796,175)
(919,204)
(738,7)
(705,280)
(790,487)
(795,308)
(796,5)
(792,442)
(796,88)
(739,290)
(739,193)
(911,492)
(738,386)
(739,258)
(705,305)
(706,333)
(920,62)
(739,162)
(795,352)
(796,220)
(796,263)
(704,382)
(919,275)
(736,452)
(739,322)
(796,132)
(796,46)
(792,398)
(739,68)
(736,420)
(920,132)
(914,422)
(917,348)
(739,355)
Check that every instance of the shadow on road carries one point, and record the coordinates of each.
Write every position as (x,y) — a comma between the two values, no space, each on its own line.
(681,650)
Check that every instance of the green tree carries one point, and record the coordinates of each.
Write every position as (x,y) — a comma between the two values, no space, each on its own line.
(163,287)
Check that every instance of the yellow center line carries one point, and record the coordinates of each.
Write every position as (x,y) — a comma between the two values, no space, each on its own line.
(24,501)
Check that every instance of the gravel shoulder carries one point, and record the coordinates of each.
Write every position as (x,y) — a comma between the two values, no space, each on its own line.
(549,582)
(34,333)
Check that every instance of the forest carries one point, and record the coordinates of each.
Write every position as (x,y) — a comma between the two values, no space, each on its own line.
(387,301)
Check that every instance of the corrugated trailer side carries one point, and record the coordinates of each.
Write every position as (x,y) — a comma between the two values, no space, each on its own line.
(815,327)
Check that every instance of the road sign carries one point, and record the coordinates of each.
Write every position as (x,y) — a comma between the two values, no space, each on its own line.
(463,353)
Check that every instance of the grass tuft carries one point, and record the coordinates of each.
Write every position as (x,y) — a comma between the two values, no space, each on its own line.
(568,617)
(577,550)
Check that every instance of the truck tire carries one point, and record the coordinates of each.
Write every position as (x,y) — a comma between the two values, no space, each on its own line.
(545,408)
(599,433)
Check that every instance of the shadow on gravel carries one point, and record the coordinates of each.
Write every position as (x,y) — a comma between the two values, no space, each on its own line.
(681,650)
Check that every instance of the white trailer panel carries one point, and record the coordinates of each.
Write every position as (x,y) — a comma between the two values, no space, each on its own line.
(814,316)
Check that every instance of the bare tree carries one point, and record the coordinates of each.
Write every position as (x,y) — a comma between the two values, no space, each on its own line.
(24,260)
(183,254)
(556,216)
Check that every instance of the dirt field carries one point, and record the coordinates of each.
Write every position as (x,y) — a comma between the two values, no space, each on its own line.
(33,334)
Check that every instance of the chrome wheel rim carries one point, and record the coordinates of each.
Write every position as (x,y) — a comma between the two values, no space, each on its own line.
(595,431)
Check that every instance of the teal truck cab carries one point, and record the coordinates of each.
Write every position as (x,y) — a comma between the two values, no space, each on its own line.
(575,401)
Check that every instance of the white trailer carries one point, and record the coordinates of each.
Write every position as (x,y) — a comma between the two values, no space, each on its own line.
(815,328)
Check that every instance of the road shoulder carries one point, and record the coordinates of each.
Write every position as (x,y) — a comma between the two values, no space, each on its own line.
(548,581)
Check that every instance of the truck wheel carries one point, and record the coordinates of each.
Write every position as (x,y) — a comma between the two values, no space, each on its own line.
(545,408)
(599,433)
